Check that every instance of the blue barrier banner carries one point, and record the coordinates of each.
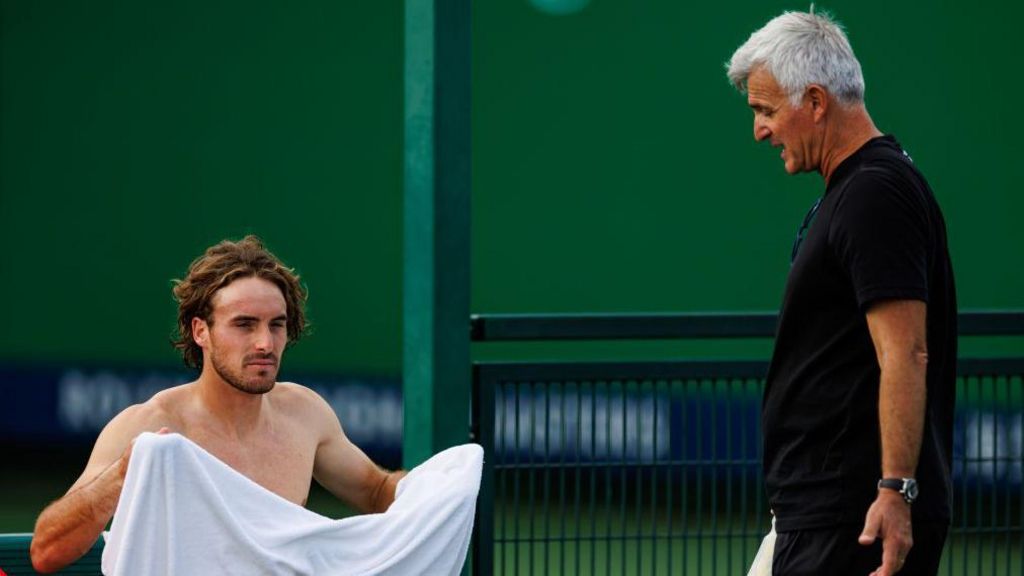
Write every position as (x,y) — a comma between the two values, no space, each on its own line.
(988,447)
(630,426)
(71,405)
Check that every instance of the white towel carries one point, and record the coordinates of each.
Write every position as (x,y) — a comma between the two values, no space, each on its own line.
(182,511)
(762,565)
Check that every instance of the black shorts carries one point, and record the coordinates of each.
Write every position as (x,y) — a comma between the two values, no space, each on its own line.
(835,550)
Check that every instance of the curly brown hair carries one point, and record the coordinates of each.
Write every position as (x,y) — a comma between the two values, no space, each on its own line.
(221,265)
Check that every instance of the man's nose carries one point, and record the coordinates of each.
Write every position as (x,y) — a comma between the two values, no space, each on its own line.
(264,339)
(761,131)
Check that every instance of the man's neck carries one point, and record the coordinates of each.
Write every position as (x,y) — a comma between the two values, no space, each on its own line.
(848,131)
(236,412)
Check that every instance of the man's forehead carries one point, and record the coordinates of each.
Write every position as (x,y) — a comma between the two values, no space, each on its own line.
(762,79)
(249,294)
(761,85)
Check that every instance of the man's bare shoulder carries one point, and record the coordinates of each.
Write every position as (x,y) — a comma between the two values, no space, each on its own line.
(300,401)
(298,397)
(118,434)
(166,407)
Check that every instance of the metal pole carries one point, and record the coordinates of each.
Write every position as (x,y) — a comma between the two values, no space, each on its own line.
(436,361)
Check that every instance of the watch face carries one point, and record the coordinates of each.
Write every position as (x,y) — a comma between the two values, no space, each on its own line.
(910,490)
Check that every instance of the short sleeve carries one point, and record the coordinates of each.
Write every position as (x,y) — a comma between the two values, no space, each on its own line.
(880,235)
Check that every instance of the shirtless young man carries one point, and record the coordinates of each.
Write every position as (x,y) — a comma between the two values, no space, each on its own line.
(239,308)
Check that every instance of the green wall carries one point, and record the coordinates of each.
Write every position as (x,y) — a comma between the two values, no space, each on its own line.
(135,134)
(614,166)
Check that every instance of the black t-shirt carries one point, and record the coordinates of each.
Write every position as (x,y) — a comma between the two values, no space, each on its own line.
(877,235)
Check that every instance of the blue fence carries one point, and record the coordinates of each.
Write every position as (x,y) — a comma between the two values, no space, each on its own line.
(654,467)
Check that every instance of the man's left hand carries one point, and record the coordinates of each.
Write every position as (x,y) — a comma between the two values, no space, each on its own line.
(889,517)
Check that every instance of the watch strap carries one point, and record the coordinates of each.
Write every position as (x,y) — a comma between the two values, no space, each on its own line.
(906,487)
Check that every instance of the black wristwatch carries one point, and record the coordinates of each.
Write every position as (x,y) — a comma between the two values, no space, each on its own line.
(907,487)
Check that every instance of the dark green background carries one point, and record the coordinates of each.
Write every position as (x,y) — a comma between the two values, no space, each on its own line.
(614,167)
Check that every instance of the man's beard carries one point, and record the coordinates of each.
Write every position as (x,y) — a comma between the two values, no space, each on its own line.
(237,380)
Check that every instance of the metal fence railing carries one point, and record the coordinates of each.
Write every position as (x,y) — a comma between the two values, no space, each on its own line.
(15,561)
(654,467)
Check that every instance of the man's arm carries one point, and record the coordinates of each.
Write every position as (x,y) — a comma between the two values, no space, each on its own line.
(346,471)
(69,527)
(898,330)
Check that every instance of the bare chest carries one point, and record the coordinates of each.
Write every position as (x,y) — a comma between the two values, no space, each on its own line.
(280,461)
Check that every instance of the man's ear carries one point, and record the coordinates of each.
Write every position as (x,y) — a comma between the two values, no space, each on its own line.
(817,97)
(200,331)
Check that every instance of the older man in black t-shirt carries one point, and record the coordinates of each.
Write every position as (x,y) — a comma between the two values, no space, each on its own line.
(858,406)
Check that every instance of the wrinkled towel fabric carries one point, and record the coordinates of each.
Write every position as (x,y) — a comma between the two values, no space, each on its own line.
(183,511)
(762,565)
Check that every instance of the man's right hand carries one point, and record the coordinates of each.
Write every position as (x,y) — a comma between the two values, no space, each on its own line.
(889,518)
(70,526)
(126,456)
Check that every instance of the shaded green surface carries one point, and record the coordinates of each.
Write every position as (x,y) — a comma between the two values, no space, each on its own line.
(613,165)
(134,135)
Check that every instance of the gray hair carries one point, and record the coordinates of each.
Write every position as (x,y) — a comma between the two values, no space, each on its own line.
(799,49)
